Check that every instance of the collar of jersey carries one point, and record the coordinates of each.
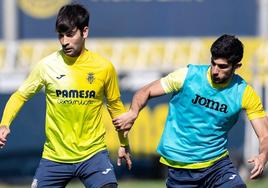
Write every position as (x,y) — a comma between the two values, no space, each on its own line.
(75,60)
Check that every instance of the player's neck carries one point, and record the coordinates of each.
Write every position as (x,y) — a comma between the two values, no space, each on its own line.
(70,60)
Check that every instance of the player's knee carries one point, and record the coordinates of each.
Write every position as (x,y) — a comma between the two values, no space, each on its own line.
(110,185)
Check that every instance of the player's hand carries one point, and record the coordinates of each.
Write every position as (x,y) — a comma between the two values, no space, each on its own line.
(124,154)
(4,132)
(125,121)
(258,165)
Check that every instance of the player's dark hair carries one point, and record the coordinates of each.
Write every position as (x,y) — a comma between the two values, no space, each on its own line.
(71,16)
(228,47)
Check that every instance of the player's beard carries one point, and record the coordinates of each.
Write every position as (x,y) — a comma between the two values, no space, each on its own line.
(68,51)
(74,50)
(71,52)
(217,80)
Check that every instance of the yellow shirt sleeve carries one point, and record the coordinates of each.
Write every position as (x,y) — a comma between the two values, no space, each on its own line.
(33,83)
(114,104)
(174,81)
(13,106)
(251,102)
(30,86)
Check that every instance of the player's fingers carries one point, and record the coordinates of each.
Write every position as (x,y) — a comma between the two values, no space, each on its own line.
(128,161)
(129,164)
(255,168)
(117,127)
(5,134)
(2,144)
(253,176)
(122,127)
(3,139)
(115,121)
(119,161)
(256,173)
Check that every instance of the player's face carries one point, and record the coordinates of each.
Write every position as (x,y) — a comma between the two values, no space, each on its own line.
(73,42)
(221,70)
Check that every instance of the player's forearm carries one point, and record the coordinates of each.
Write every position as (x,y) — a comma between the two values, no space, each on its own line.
(140,100)
(141,97)
(264,147)
(13,106)
(263,139)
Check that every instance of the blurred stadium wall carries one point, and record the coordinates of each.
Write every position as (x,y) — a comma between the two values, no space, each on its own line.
(145,40)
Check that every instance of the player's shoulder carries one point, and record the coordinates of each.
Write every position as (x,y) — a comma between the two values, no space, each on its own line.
(98,57)
(250,90)
(45,61)
(101,60)
(51,58)
(197,67)
(197,70)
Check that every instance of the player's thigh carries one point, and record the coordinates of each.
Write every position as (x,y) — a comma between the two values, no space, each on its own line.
(230,179)
(97,171)
(181,178)
(225,175)
(52,174)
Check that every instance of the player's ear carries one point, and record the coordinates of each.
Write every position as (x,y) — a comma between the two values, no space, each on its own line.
(85,32)
(238,65)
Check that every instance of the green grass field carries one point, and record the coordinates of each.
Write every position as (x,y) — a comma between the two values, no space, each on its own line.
(262,183)
(161,184)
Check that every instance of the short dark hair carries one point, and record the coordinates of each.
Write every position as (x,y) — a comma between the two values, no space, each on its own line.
(71,16)
(228,47)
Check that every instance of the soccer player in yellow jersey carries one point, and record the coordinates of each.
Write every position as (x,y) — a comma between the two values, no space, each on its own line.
(77,82)
(205,104)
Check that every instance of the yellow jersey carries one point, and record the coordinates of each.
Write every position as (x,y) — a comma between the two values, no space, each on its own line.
(76,89)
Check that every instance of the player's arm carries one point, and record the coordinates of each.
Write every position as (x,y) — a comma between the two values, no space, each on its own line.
(13,106)
(171,83)
(114,103)
(260,126)
(115,108)
(30,86)
(256,114)
(139,101)
(142,95)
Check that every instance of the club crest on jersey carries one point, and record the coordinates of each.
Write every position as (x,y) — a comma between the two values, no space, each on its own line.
(90,77)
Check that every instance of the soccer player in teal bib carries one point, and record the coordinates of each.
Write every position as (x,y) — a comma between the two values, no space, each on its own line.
(77,82)
(205,104)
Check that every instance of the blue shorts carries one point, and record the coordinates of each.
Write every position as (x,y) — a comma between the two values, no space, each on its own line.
(221,175)
(94,172)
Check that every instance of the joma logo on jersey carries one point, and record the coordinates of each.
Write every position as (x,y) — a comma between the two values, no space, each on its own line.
(208,103)
(75,93)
